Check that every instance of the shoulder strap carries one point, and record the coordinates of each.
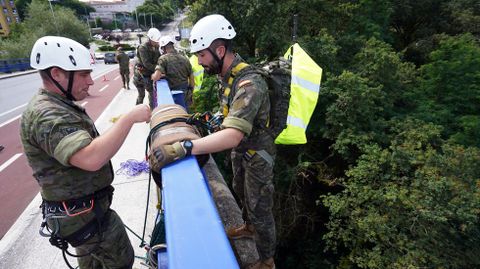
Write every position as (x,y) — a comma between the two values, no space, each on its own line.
(226,92)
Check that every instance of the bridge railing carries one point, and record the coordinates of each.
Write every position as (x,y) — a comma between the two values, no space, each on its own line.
(11,65)
(195,234)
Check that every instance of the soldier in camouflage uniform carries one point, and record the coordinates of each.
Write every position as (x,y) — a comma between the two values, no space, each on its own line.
(71,160)
(124,64)
(147,56)
(246,107)
(176,68)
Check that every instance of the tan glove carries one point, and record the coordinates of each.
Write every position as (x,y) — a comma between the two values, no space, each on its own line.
(165,154)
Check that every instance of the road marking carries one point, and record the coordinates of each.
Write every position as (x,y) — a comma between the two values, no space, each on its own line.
(117,77)
(13,109)
(84,103)
(10,120)
(104,87)
(10,161)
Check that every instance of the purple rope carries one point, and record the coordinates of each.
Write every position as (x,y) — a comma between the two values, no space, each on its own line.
(133,168)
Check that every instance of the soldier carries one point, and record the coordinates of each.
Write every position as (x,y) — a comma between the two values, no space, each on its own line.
(124,64)
(176,68)
(246,108)
(147,56)
(71,160)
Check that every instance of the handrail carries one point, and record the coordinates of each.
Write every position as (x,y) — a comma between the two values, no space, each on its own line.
(195,235)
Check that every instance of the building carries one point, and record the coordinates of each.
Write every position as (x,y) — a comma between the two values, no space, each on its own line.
(8,16)
(114,6)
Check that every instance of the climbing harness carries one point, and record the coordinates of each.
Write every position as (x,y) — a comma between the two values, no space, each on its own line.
(54,210)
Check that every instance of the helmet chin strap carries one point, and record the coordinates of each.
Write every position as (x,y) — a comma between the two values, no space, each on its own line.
(219,61)
(68,92)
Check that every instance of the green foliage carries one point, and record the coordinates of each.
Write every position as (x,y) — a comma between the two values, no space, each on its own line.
(206,99)
(355,116)
(161,11)
(450,87)
(40,22)
(398,96)
(413,204)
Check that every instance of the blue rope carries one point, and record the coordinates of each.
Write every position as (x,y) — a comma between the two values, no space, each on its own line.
(133,168)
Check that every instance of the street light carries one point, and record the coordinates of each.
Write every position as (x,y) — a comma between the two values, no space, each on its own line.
(53,14)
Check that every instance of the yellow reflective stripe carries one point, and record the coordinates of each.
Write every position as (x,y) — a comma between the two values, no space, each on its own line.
(311,86)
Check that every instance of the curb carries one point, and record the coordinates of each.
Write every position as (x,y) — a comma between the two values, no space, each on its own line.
(17,74)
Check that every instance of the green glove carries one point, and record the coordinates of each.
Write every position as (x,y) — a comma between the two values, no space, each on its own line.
(166,154)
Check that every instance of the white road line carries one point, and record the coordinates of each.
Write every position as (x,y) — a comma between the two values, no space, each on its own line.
(10,120)
(13,109)
(104,87)
(84,103)
(117,77)
(10,161)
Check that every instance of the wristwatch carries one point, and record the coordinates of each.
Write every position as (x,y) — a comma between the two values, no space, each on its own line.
(188,146)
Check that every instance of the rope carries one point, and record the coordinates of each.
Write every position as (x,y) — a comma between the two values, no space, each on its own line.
(133,168)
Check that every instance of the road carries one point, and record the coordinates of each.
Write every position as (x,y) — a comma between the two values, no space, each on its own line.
(18,187)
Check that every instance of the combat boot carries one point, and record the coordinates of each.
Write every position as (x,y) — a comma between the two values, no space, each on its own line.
(244,231)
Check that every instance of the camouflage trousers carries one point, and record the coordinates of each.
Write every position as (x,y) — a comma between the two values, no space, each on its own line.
(143,84)
(125,74)
(253,185)
(114,250)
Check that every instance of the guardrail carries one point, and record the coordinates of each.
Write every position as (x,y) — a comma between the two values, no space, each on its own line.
(12,65)
(195,234)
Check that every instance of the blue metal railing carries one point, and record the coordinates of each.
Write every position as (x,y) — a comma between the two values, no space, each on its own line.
(195,234)
(11,65)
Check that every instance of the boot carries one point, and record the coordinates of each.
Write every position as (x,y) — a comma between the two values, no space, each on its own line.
(244,231)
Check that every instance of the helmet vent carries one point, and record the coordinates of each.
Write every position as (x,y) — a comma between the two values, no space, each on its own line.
(229,27)
(45,43)
(194,41)
(71,49)
(37,59)
(58,45)
(72,60)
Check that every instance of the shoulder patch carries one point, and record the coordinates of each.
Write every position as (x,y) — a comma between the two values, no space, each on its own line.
(243,83)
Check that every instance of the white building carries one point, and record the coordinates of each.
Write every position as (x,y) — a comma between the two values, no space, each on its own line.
(113,6)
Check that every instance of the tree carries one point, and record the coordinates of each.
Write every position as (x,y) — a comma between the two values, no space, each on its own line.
(449,92)
(413,204)
(40,22)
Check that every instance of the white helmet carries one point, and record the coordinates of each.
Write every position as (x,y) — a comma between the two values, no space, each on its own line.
(165,40)
(154,34)
(61,52)
(209,28)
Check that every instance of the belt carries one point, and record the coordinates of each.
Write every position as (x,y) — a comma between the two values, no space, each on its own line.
(262,153)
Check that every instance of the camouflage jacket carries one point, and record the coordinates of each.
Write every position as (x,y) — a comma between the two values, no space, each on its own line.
(147,57)
(248,110)
(54,128)
(123,61)
(177,69)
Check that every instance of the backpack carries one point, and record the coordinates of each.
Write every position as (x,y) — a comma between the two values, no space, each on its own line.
(278,76)
(293,95)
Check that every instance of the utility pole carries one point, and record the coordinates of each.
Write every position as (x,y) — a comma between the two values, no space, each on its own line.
(54,19)
(136,17)
(145,20)
(151,22)
(115,20)
(295,27)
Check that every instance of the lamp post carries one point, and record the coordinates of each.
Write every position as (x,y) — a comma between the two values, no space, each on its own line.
(136,17)
(53,14)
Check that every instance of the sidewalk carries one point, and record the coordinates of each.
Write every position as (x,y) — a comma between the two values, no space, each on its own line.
(23,247)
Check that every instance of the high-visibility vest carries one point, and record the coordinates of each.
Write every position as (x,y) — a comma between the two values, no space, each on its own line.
(197,72)
(304,90)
